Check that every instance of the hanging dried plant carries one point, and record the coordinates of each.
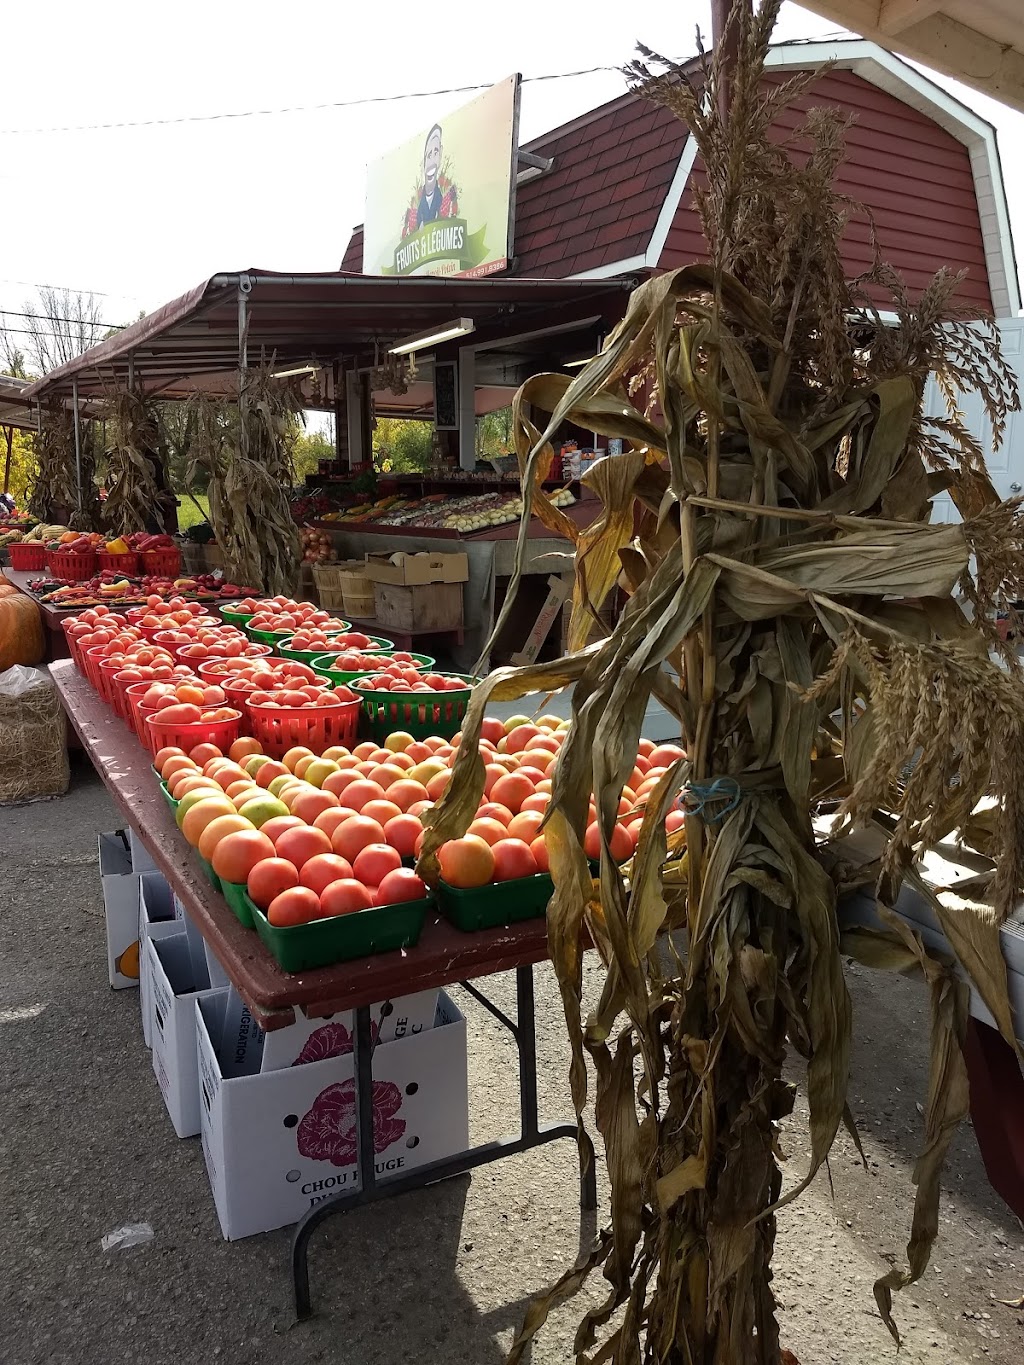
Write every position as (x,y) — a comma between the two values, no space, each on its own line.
(245,450)
(791,605)
(137,494)
(53,497)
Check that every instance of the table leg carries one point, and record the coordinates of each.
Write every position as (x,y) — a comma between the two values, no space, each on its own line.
(532,1134)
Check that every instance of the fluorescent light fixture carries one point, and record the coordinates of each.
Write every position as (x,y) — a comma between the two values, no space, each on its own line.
(299,369)
(447,331)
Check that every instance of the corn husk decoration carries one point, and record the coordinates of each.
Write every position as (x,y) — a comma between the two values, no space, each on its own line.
(137,496)
(245,449)
(53,496)
(791,604)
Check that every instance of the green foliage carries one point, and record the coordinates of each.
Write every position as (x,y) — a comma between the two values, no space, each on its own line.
(494,433)
(23,463)
(309,449)
(401,446)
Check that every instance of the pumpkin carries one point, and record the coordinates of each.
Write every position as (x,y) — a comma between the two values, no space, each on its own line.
(21,631)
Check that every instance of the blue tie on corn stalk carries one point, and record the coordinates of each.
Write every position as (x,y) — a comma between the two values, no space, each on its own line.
(790,603)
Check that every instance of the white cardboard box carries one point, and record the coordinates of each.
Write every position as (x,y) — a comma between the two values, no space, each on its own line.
(142,860)
(176,985)
(121,908)
(314,1040)
(157,919)
(278,1142)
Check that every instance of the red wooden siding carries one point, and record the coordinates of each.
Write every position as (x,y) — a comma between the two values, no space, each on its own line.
(913,176)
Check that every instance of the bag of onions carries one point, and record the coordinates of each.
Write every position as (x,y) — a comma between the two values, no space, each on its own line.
(316,546)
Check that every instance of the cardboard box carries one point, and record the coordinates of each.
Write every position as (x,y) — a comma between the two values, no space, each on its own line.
(121,908)
(425,567)
(142,859)
(278,1142)
(157,919)
(176,986)
(314,1040)
(422,607)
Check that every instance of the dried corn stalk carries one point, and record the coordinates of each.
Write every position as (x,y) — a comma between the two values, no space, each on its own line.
(245,448)
(137,495)
(790,603)
(53,497)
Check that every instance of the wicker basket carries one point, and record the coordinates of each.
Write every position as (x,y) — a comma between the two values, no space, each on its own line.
(330,583)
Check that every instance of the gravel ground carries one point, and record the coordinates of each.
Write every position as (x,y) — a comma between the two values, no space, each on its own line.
(440,1275)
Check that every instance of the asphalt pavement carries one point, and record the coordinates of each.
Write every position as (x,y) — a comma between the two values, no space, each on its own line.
(442,1275)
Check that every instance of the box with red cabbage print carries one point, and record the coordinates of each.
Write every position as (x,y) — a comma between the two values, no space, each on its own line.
(278,1142)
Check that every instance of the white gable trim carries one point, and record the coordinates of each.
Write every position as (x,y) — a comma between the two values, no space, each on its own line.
(651,258)
(890,73)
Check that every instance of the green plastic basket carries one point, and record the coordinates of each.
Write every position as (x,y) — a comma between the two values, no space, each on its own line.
(267,637)
(484,907)
(420,714)
(235,618)
(211,876)
(168,797)
(342,938)
(236,896)
(320,663)
(306,656)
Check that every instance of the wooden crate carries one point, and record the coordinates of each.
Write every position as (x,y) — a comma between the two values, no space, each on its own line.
(419,606)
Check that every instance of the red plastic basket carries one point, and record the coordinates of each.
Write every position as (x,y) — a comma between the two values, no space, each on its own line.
(91,664)
(27,558)
(223,733)
(127,562)
(162,564)
(105,680)
(281,728)
(73,568)
(216,670)
(134,710)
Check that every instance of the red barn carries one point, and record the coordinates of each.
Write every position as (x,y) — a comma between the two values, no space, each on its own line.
(617,196)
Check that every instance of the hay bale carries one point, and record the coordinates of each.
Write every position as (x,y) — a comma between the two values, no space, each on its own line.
(33,743)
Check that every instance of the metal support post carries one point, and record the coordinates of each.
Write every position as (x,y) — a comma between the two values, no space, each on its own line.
(244,290)
(78,441)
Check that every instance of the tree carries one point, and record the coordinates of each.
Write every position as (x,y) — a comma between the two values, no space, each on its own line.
(494,433)
(23,462)
(57,328)
(309,449)
(401,446)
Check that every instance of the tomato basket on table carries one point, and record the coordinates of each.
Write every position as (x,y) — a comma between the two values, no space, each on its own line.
(163,563)
(161,733)
(334,644)
(341,938)
(71,565)
(232,617)
(280,728)
(328,665)
(390,703)
(29,558)
(127,562)
(484,907)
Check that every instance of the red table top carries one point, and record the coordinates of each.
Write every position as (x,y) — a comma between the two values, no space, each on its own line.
(443,954)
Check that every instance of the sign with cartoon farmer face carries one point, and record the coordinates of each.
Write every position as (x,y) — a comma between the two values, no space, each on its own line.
(442,203)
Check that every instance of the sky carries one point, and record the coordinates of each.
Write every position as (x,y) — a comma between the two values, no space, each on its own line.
(140,214)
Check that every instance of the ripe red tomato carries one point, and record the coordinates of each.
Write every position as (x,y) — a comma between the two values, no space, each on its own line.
(299,845)
(321,870)
(374,862)
(269,878)
(513,858)
(297,905)
(400,885)
(344,897)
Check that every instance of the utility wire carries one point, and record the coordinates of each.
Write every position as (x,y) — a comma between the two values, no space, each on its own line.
(291,108)
(56,317)
(61,288)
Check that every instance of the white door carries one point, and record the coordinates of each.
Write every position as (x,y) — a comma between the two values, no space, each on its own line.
(1005,465)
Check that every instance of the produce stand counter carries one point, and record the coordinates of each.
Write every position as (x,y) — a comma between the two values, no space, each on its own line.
(442,956)
(490,557)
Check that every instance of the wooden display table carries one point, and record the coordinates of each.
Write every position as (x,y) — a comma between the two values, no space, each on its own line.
(443,956)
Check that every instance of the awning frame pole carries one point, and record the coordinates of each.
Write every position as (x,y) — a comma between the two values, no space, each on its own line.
(78,441)
(244,290)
